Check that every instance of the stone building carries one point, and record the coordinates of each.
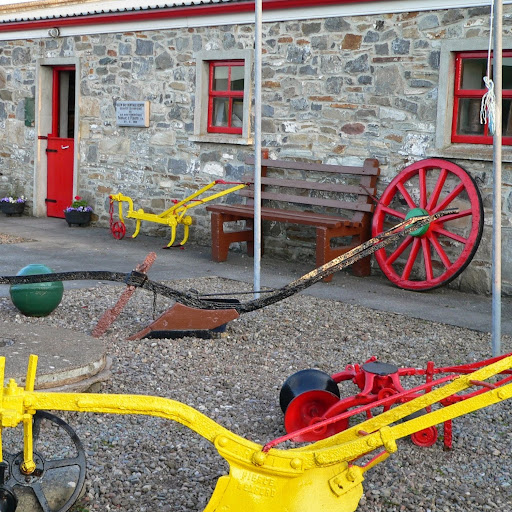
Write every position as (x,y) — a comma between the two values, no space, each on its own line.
(342,82)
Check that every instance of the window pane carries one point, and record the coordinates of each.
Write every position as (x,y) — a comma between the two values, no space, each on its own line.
(220,78)
(237,114)
(507,72)
(237,78)
(468,122)
(473,71)
(220,112)
(507,118)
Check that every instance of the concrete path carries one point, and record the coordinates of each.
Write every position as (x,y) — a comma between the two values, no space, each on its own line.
(53,243)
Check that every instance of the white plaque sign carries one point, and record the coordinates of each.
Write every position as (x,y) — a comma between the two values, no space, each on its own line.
(132,113)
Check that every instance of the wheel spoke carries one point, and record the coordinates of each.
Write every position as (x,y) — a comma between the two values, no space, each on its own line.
(38,491)
(449,234)
(459,215)
(393,213)
(437,189)
(411,259)
(62,463)
(399,250)
(406,196)
(449,198)
(423,187)
(440,251)
(427,258)
(36,429)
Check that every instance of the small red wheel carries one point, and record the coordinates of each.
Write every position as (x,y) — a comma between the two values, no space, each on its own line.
(435,255)
(426,437)
(118,230)
(308,409)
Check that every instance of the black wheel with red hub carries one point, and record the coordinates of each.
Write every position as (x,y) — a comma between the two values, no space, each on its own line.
(118,230)
(305,397)
(432,255)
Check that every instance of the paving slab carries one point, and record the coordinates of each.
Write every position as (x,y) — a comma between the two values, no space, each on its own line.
(67,360)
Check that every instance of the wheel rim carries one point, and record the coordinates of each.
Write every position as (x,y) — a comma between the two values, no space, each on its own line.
(431,257)
(308,409)
(118,230)
(64,459)
(425,438)
(306,380)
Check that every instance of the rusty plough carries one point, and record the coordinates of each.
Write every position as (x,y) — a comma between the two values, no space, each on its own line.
(192,312)
(320,476)
(173,217)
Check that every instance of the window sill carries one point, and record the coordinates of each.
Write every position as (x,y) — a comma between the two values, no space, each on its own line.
(470,152)
(222,139)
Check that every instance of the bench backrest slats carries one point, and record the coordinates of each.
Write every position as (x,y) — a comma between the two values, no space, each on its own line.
(370,166)
(314,201)
(337,188)
(308,185)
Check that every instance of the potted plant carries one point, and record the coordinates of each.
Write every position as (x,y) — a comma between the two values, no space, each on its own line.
(13,205)
(78,213)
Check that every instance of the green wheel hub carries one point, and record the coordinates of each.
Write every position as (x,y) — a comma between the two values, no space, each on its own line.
(418,212)
(36,299)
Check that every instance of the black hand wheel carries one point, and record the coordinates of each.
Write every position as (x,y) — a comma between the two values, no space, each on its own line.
(435,254)
(57,481)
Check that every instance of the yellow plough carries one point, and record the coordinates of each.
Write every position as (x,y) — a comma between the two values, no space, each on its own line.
(172,217)
(320,476)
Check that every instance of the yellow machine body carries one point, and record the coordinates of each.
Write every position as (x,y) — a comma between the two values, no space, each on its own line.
(319,476)
(176,215)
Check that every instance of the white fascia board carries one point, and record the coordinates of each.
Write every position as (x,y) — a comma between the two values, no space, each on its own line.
(109,6)
(343,10)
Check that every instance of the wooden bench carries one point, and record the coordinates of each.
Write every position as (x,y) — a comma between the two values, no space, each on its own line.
(335,199)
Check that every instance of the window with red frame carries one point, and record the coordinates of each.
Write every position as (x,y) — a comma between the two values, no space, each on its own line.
(470,69)
(226,97)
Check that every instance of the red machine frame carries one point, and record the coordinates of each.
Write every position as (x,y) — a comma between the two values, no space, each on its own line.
(315,414)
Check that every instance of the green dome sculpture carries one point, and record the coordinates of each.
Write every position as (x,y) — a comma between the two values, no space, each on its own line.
(36,299)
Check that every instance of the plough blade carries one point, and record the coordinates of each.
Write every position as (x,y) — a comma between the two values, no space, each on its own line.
(184,318)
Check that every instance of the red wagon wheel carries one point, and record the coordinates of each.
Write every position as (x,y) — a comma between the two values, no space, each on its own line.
(437,253)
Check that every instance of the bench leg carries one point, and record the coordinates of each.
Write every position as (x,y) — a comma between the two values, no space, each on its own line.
(362,268)
(324,253)
(323,248)
(221,240)
(220,247)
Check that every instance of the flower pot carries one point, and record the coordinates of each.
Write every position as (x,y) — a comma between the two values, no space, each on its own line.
(78,218)
(12,208)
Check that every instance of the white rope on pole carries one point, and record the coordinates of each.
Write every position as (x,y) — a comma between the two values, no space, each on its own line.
(488,104)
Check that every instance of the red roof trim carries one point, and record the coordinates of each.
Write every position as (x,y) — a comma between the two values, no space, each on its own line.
(167,13)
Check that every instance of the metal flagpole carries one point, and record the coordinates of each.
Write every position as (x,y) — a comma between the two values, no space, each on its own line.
(496,239)
(257,145)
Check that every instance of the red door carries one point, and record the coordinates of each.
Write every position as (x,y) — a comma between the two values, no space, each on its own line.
(61,142)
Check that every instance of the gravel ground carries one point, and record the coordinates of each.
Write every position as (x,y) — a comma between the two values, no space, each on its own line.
(149,464)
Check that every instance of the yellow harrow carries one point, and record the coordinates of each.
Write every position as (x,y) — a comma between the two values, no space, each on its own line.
(172,217)
(320,476)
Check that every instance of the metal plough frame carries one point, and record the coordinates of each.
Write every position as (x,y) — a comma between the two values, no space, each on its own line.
(140,280)
(319,476)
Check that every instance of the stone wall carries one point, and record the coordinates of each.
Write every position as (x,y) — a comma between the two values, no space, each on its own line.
(336,90)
